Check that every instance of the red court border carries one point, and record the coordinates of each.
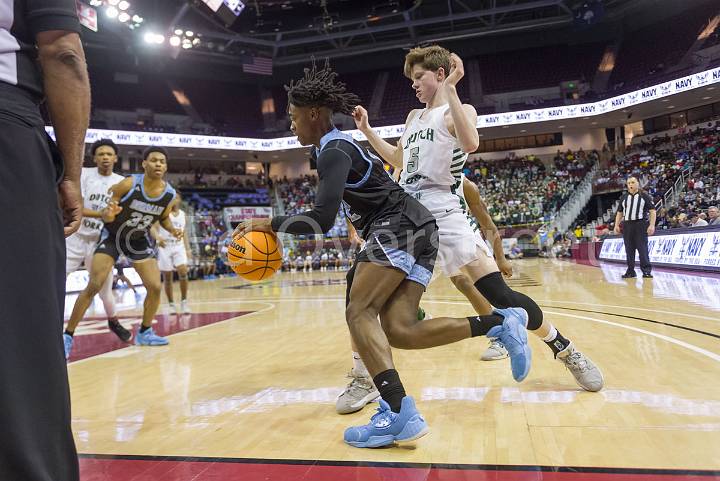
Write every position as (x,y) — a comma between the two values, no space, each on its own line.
(158,468)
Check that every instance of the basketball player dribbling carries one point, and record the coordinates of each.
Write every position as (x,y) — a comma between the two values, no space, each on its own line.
(432,152)
(94,185)
(173,255)
(360,390)
(136,204)
(395,266)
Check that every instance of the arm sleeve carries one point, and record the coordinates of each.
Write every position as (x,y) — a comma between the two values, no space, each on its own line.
(620,205)
(333,166)
(46,15)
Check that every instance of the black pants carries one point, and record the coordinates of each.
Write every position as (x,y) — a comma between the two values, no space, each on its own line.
(636,239)
(36,442)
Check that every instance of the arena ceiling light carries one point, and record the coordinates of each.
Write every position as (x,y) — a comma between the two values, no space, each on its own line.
(154,38)
(120,10)
(184,38)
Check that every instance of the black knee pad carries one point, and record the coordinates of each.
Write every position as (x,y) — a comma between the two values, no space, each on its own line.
(499,294)
(494,289)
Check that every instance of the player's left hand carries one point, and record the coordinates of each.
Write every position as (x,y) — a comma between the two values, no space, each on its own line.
(178,234)
(258,225)
(651,230)
(457,71)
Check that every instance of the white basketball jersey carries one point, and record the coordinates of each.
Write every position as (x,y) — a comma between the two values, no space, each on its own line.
(432,157)
(178,222)
(94,188)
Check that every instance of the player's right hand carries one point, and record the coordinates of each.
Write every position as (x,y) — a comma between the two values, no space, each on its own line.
(361,118)
(355,239)
(109,212)
(505,267)
(161,242)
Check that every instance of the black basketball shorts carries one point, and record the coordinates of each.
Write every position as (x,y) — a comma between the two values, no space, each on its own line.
(136,249)
(397,241)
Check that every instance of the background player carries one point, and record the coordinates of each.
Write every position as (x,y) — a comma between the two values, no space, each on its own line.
(119,275)
(137,203)
(432,152)
(392,271)
(95,182)
(173,254)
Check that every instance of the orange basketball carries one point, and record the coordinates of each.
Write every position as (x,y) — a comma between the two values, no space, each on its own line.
(255,256)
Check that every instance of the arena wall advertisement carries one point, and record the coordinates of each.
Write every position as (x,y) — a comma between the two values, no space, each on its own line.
(697,249)
(233,215)
(684,84)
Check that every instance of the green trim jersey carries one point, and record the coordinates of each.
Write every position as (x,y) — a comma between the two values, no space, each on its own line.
(432,157)
(432,173)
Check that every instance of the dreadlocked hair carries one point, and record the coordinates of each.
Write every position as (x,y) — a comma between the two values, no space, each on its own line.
(320,88)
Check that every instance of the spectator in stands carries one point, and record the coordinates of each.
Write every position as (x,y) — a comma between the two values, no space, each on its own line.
(713,216)
(694,220)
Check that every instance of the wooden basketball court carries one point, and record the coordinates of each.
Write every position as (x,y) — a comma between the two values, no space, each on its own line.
(246,388)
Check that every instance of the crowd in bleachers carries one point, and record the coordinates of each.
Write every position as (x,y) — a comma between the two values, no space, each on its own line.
(298,195)
(517,191)
(659,162)
(524,190)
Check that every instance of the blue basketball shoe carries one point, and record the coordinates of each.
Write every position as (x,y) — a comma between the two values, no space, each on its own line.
(149,338)
(513,334)
(387,427)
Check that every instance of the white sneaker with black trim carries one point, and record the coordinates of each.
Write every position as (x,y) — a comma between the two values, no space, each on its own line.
(586,373)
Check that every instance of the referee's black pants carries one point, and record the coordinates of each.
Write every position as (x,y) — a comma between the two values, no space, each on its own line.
(36,442)
(636,239)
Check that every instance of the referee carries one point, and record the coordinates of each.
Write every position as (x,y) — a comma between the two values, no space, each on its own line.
(41,60)
(636,209)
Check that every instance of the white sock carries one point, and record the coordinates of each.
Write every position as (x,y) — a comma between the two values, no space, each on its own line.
(359,368)
(551,335)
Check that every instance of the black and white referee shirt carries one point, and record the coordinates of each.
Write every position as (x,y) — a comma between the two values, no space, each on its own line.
(20,22)
(636,206)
